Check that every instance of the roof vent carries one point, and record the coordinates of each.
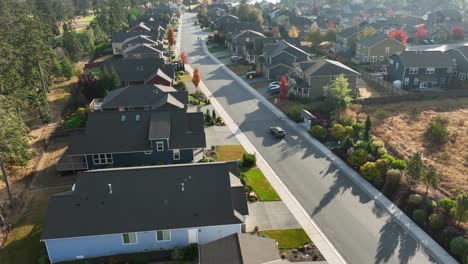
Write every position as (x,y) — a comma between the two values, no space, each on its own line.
(182,186)
(123,118)
(110,188)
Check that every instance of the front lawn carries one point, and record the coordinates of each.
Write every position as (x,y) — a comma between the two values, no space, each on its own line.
(216,49)
(22,244)
(261,186)
(230,152)
(288,238)
(239,69)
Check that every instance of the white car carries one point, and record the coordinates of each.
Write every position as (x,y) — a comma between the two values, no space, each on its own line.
(273,84)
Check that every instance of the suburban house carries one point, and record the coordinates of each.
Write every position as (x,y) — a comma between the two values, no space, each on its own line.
(236,45)
(460,73)
(129,210)
(142,71)
(142,97)
(300,22)
(141,27)
(240,248)
(345,41)
(119,38)
(142,51)
(231,29)
(420,69)
(227,18)
(278,58)
(443,16)
(253,48)
(309,78)
(141,39)
(134,138)
(376,48)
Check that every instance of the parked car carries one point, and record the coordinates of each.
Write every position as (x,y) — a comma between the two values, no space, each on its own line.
(274,89)
(236,58)
(251,74)
(277,132)
(276,83)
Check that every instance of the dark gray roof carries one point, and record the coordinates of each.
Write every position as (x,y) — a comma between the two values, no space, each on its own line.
(424,59)
(235,27)
(239,200)
(375,39)
(160,126)
(143,199)
(460,55)
(349,32)
(239,249)
(280,46)
(324,67)
(143,48)
(121,36)
(106,133)
(139,70)
(141,95)
(453,13)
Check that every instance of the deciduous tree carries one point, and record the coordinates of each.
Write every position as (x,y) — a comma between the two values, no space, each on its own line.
(458,33)
(399,35)
(170,37)
(196,77)
(365,32)
(314,36)
(421,33)
(293,32)
(283,88)
(183,57)
(415,170)
(431,179)
(337,95)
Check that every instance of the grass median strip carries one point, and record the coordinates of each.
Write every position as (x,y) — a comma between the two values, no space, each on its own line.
(230,152)
(261,186)
(288,238)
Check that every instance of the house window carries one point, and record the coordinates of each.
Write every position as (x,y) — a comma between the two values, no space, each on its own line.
(149,152)
(387,50)
(397,65)
(332,78)
(413,70)
(159,146)
(406,81)
(123,118)
(442,80)
(137,118)
(381,58)
(163,235)
(423,85)
(416,81)
(365,58)
(462,76)
(99,159)
(138,56)
(176,154)
(373,58)
(305,92)
(449,70)
(390,61)
(129,238)
(430,70)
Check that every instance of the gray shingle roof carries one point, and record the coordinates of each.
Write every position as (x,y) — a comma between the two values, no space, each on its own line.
(139,70)
(239,249)
(424,59)
(142,48)
(106,133)
(142,95)
(143,199)
(373,39)
(349,32)
(121,36)
(323,67)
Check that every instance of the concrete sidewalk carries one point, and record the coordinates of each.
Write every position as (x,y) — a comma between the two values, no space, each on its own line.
(270,216)
(413,229)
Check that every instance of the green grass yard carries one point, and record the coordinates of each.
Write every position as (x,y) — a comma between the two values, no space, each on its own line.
(288,238)
(216,49)
(261,185)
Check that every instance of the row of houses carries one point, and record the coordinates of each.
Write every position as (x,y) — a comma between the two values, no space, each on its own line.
(138,187)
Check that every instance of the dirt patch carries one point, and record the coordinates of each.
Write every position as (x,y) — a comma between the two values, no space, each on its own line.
(239,69)
(402,126)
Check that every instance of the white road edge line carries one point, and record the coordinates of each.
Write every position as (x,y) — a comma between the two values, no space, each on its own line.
(326,248)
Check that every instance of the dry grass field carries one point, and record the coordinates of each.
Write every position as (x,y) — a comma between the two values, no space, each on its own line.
(402,126)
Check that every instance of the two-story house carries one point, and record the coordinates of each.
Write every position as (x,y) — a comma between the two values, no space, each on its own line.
(119,38)
(460,73)
(142,97)
(236,45)
(376,48)
(420,69)
(309,78)
(443,16)
(278,59)
(134,138)
(142,71)
(345,41)
(128,210)
(253,48)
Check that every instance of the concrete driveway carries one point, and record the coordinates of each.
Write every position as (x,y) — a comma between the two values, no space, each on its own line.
(270,216)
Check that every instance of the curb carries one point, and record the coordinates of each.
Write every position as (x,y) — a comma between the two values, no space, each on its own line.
(433,248)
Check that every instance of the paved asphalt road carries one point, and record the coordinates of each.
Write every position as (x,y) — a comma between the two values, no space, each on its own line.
(360,230)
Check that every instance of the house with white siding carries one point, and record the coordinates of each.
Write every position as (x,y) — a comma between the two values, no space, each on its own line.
(129,210)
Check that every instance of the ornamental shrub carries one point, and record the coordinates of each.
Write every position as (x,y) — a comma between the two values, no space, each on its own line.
(248,160)
(399,164)
(378,182)
(358,128)
(358,157)
(459,246)
(369,171)
(318,132)
(295,113)
(382,166)
(436,222)
(448,234)
(392,181)
(346,144)
(420,216)
(338,132)
(381,152)
(388,157)
(437,131)
(376,145)
(349,131)
(429,205)
(415,199)
(446,203)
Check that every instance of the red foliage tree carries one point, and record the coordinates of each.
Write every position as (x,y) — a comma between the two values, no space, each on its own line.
(400,35)
(183,57)
(422,32)
(196,77)
(170,37)
(458,33)
(330,25)
(275,32)
(283,88)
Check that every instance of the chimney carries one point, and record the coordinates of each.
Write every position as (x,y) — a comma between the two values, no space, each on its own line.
(110,188)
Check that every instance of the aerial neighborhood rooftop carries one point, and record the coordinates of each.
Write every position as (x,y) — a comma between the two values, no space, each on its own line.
(248,132)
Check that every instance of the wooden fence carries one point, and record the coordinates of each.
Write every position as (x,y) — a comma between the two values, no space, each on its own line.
(416,96)
(381,85)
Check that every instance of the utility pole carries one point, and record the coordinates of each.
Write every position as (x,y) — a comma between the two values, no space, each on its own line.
(7,184)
